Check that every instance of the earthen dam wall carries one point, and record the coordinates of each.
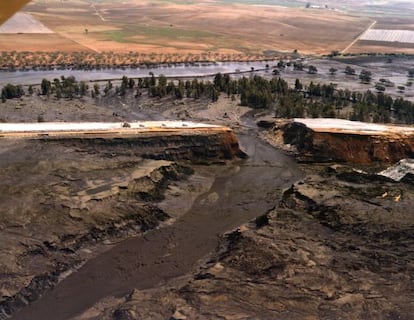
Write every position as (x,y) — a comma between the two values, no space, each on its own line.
(169,140)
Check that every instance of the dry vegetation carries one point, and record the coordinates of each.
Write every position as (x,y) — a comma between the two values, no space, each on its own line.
(15,60)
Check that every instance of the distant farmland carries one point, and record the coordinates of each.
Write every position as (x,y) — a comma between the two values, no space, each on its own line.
(402,36)
(184,27)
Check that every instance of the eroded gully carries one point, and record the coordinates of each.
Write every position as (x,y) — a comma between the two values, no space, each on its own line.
(244,191)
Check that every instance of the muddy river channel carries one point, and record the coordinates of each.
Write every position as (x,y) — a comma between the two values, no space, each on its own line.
(240,192)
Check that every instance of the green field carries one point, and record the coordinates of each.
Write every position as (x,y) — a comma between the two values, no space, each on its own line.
(156,35)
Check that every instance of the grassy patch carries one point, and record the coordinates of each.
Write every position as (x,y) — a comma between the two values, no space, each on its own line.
(171,33)
(160,35)
(116,36)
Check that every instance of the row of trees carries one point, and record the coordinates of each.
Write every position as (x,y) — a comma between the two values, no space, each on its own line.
(313,100)
(65,87)
(365,75)
(14,60)
(161,87)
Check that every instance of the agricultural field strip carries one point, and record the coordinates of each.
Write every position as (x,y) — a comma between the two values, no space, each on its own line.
(404,36)
(23,23)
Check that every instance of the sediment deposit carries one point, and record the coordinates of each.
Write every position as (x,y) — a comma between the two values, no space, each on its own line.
(68,195)
(334,244)
(336,247)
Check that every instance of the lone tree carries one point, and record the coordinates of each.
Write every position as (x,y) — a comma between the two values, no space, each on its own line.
(298,85)
(349,70)
(332,71)
(11,91)
(312,69)
(46,87)
(365,76)
(298,66)
(334,53)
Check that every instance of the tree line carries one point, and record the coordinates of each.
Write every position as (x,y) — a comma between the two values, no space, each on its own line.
(275,94)
(13,60)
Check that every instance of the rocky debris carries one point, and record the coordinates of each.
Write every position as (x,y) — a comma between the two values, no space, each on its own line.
(403,170)
(333,249)
(272,132)
(326,140)
(266,123)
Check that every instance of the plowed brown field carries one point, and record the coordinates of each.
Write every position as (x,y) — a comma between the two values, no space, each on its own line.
(169,27)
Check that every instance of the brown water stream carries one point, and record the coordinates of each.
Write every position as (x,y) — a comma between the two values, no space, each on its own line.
(244,191)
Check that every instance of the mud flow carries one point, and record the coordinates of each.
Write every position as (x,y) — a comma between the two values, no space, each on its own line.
(240,192)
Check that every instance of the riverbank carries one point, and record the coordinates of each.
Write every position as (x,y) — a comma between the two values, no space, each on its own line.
(178,70)
(334,247)
(208,206)
(311,211)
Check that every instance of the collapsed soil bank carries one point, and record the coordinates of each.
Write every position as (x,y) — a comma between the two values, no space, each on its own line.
(336,140)
(63,196)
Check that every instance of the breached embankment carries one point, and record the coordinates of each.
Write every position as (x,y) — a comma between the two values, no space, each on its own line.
(167,140)
(349,141)
(70,190)
(237,193)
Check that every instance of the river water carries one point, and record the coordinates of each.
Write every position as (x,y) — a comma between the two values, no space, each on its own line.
(241,192)
(178,70)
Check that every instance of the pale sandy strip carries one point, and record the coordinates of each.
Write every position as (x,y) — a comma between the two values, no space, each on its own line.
(98,126)
(24,23)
